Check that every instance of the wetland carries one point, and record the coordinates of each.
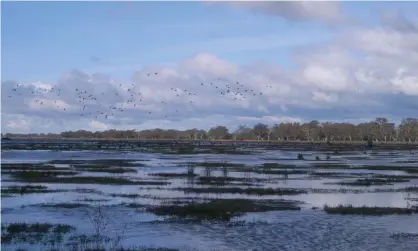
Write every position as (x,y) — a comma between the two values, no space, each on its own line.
(214,198)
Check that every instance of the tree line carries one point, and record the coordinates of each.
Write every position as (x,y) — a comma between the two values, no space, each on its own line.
(381,129)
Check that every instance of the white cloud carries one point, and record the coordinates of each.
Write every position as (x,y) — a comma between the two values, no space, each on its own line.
(329,12)
(362,72)
(98,126)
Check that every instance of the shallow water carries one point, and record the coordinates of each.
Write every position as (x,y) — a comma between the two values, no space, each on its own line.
(307,229)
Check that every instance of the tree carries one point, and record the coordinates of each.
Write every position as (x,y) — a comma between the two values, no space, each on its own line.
(261,131)
(218,132)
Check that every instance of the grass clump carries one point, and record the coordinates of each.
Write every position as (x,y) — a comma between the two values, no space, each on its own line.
(96,180)
(406,169)
(272,165)
(28,189)
(222,180)
(373,211)
(31,167)
(64,205)
(103,162)
(174,175)
(281,172)
(221,209)
(217,164)
(33,233)
(106,169)
(372,182)
(249,191)
(34,175)
(405,236)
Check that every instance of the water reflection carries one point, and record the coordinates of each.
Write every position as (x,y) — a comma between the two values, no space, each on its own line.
(301,230)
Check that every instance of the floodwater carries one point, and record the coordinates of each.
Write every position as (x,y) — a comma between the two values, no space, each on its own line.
(308,229)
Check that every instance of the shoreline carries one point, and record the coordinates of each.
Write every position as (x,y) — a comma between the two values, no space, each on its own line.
(135,144)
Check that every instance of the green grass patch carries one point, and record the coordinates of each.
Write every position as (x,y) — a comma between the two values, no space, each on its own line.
(373,211)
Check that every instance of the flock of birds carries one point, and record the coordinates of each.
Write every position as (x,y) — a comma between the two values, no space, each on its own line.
(88,101)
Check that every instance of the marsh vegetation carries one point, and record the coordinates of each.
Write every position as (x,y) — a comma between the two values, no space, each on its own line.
(154,189)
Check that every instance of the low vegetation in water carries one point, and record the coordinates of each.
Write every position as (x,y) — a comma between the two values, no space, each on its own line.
(407,169)
(273,165)
(63,205)
(38,175)
(104,169)
(373,211)
(413,236)
(221,209)
(94,180)
(371,182)
(33,233)
(249,191)
(103,162)
(217,164)
(31,167)
(281,172)
(174,175)
(28,189)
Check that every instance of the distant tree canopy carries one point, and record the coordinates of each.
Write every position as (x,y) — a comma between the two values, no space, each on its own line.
(378,130)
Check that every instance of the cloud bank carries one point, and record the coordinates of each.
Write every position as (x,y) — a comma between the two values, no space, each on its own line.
(362,73)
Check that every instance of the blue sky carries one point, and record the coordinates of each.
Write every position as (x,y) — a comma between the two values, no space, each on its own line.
(43,40)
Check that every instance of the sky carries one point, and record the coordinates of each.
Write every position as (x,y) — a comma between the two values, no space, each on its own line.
(330,61)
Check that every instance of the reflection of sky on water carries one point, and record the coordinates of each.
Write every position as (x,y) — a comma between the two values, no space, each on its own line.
(301,230)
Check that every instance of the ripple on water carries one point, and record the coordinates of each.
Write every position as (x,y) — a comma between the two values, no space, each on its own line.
(300,230)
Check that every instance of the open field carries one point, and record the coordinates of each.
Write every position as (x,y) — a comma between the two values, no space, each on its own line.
(61,195)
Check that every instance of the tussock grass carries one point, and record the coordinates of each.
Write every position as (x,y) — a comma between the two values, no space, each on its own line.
(28,189)
(174,175)
(221,209)
(249,191)
(103,162)
(372,211)
(96,180)
(372,182)
(34,233)
(105,169)
(405,236)
(64,205)
(281,172)
(273,165)
(34,175)
(31,167)
(406,169)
